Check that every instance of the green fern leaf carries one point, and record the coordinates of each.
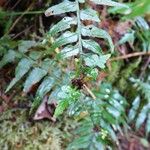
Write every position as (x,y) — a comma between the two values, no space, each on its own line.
(81,1)
(106,126)
(62,25)
(45,86)
(85,128)
(117,103)
(46,64)
(142,116)
(69,51)
(114,111)
(109,3)
(109,117)
(81,142)
(8,58)
(145,87)
(24,46)
(128,37)
(95,60)
(62,105)
(87,138)
(93,73)
(54,94)
(22,68)
(67,38)
(35,55)
(148,124)
(34,77)
(133,110)
(92,31)
(89,14)
(92,46)
(61,8)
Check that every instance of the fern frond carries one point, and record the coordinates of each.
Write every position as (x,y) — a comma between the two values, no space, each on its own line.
(82,31)
(8,58)
(141,114)
(23,67)
(109,3)
(11,55)
(103,114)
(61,8)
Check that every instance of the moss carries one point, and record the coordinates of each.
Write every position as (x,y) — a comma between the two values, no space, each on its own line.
(18,133)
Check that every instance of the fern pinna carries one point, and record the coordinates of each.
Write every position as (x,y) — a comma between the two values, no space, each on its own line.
(99,111)
(141,103)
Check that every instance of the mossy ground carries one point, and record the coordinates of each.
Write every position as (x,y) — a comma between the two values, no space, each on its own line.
(17,132)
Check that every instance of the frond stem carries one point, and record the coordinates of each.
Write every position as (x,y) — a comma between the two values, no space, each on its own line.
(89,92)
(79,27)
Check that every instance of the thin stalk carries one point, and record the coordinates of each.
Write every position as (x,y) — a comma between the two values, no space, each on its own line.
(79,28)
(89,92)
(136,54)
(24,13)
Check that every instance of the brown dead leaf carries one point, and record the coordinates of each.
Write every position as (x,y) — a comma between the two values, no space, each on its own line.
(45,110)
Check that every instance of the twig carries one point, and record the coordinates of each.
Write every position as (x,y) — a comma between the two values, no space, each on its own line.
(6,4)
(130,55)
(16,4)
(24,13)
(89,91)
(41,25)
(22,32)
